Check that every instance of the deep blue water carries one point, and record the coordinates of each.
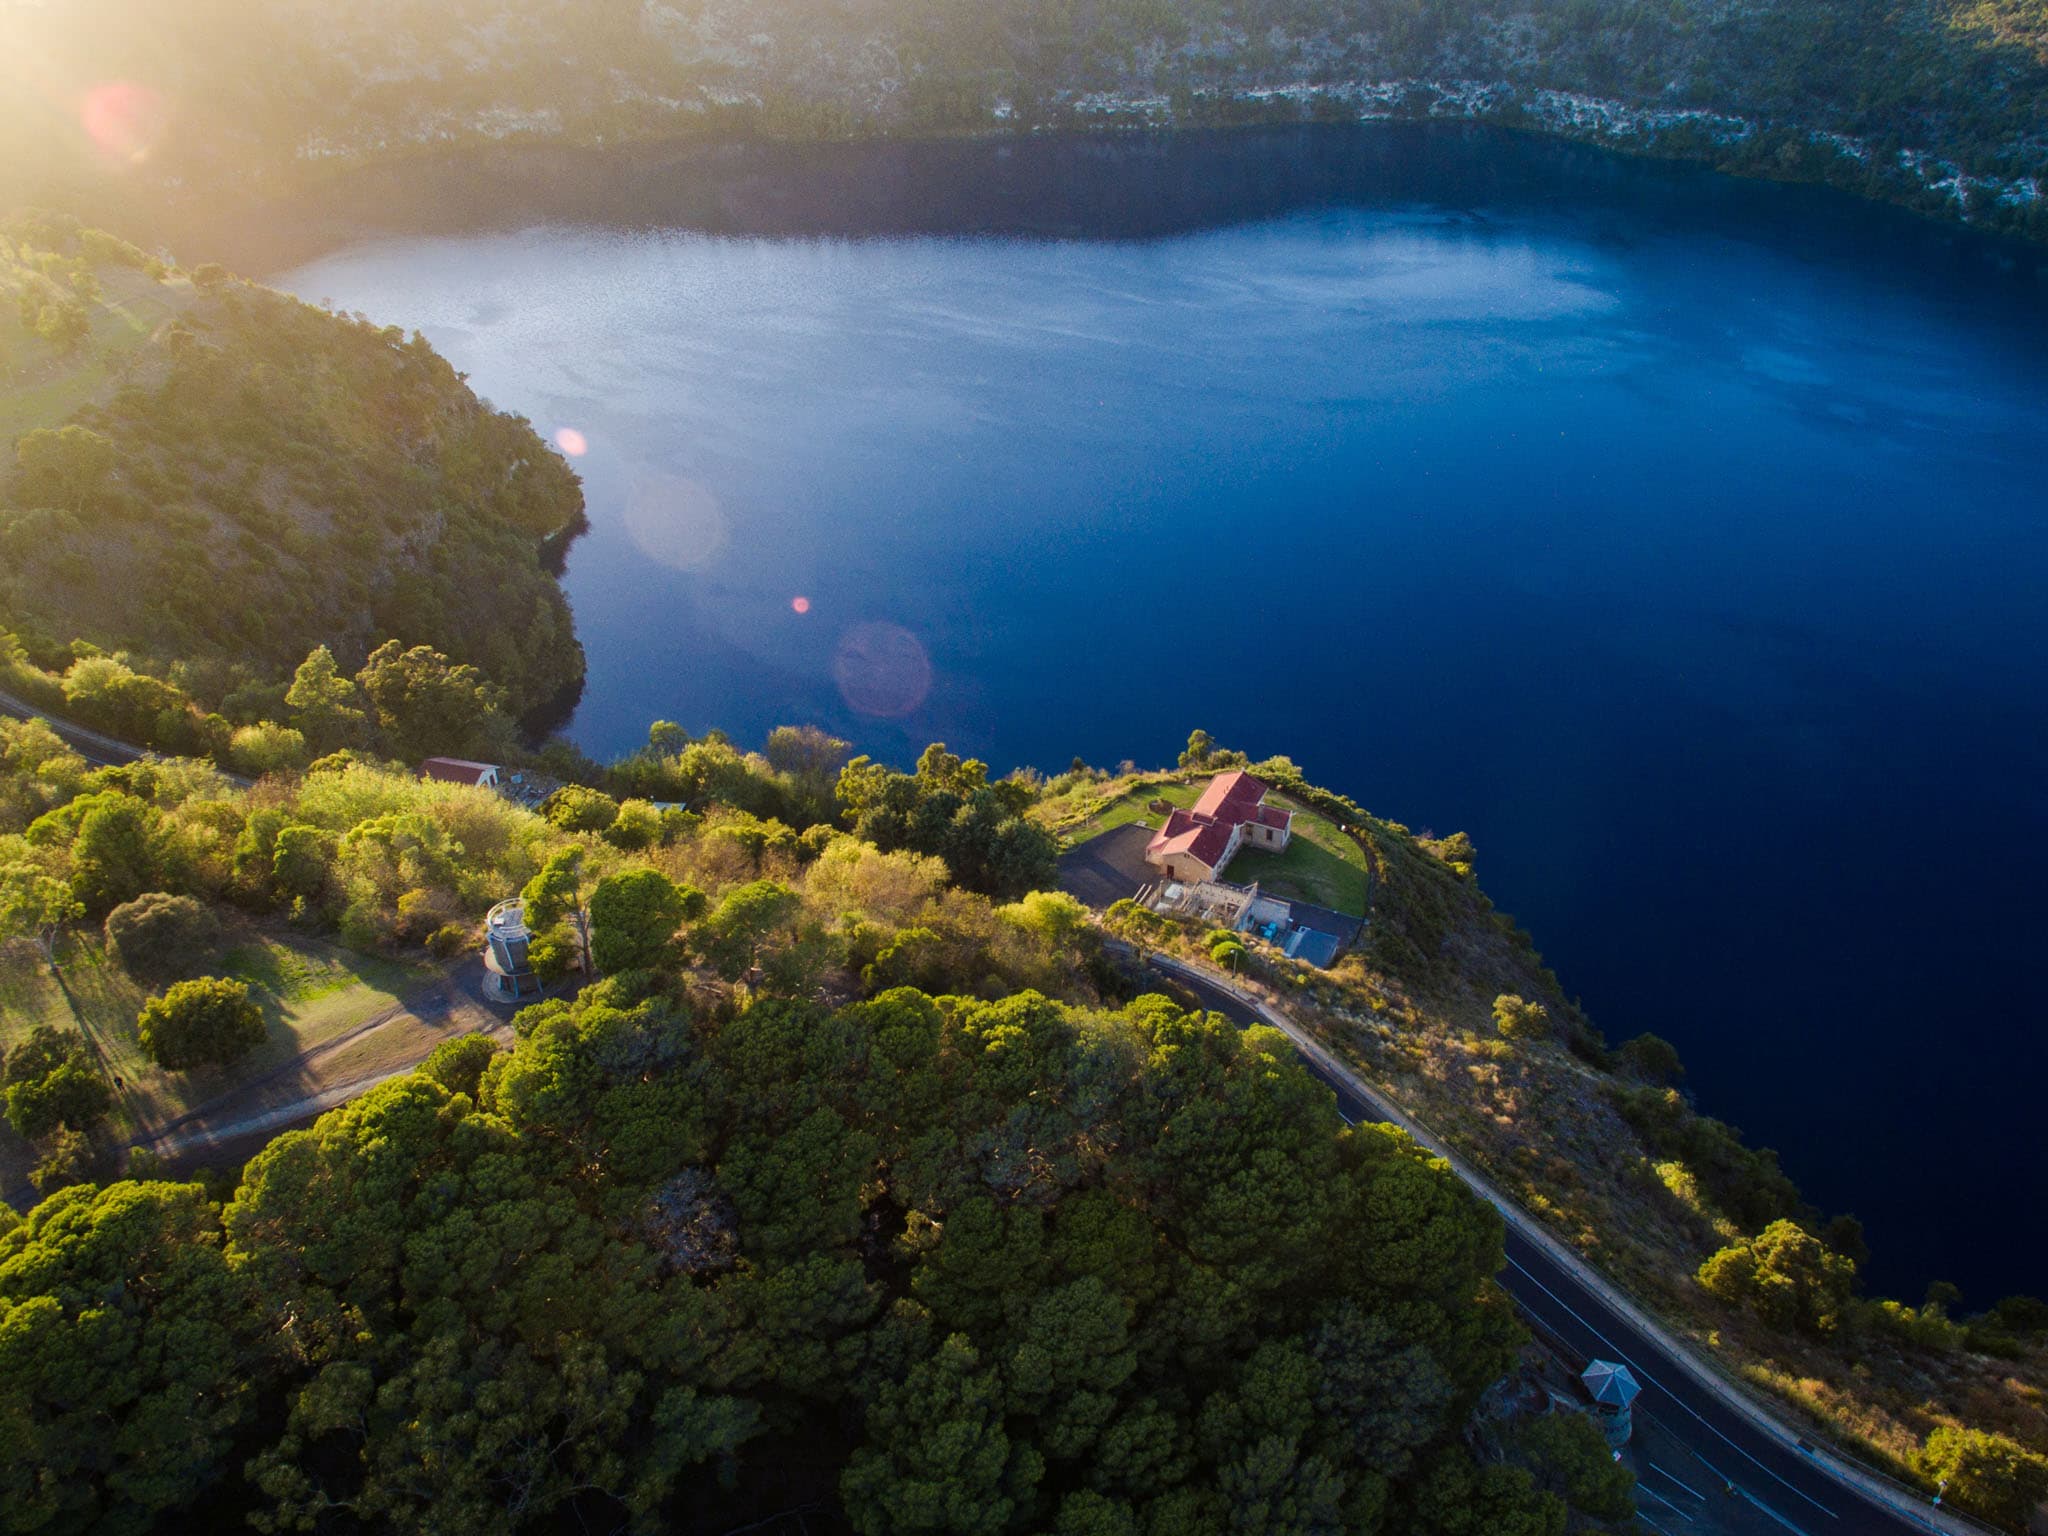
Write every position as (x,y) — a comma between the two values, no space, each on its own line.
(1683,540)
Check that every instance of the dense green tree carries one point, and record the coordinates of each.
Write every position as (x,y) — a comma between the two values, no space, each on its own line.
(205,1022)
(553,900)
(115,855)
(158,934)
(939,1460)
(739,927)
(1987,1474)
(37,906)
(578,808)
(1458,1498)
(637,826)
(458,1065)
(427,705)
(302,860)
(1569,1456)
(633,916)
(1784,1274)
(949,809)
(323,703)
(130,1357)
(51,1079)
(1651,1058)
(66,1159)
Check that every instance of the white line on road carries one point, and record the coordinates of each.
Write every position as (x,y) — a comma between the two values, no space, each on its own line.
(1653,1493)
(1678,1480)
(1744,1493)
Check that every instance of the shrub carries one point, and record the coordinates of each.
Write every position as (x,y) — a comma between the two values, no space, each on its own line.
(1784,1274)
(158,934)
(1651,1058)
(1986,1474)
(448,940)
(637,825)
(458,1064)
(51,1080)
(66,1160)
(633,916)
(576,808)
(207,1022)
(258,750)
(1520,1020)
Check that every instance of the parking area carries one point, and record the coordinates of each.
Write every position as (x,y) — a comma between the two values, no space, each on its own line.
(1108,868)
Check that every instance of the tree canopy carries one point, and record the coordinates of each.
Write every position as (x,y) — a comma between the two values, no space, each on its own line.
(998,1266)
(204,1022)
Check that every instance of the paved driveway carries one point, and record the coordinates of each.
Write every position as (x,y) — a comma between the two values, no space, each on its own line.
(1108,868)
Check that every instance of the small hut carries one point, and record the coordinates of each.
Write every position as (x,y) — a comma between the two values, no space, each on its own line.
(506,941)
(1612,1389)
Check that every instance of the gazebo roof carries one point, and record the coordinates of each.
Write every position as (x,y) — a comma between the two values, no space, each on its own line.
(1610,1383)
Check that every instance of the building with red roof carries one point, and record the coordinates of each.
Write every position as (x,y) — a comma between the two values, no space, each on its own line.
(1232,812)
(460,770)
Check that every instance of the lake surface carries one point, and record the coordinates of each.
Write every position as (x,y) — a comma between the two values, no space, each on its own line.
(1683,540)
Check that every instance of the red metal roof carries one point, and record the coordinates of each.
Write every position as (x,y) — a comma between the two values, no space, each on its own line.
(1186,833)
(455,770)
(1230,796)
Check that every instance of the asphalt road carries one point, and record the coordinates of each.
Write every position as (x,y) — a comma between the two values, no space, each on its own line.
(102,751)
(1735,1459)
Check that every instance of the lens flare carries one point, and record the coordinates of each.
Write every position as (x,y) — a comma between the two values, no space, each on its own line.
(882,670)
(677,522)
(800,604)
(572,442)
(124,120)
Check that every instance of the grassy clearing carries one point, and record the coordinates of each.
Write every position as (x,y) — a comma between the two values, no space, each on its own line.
(1320,865)
(1095,809)
(310,992)
(42,386)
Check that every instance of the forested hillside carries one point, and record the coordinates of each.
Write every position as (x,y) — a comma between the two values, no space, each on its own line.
(950,1266)
(217,478)
(1941,103)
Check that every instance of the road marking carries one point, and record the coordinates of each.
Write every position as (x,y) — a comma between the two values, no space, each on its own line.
(1676,1479)
(1653,1493)
(1650,1380)
(1744,1493)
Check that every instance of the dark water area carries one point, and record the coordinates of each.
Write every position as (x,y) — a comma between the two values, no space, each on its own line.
(1684,540)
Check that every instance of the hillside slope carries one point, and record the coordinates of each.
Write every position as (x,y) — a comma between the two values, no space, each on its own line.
(176,440)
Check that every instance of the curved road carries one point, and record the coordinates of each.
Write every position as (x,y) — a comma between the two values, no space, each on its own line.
(1737,1451)
(101,751)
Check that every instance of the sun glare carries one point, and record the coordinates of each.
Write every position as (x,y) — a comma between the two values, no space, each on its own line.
(124,120)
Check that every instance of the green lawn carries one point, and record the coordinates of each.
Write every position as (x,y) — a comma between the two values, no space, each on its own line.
(310,992)
(1321,866)
(1076,818)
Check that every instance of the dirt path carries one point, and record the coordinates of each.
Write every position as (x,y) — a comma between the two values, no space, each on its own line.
(315,1081)
(321,1077)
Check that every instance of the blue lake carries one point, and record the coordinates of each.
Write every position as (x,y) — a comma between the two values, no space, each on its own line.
(1685,541)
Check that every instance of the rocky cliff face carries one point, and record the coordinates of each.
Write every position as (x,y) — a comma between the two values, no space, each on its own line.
(1920,102)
